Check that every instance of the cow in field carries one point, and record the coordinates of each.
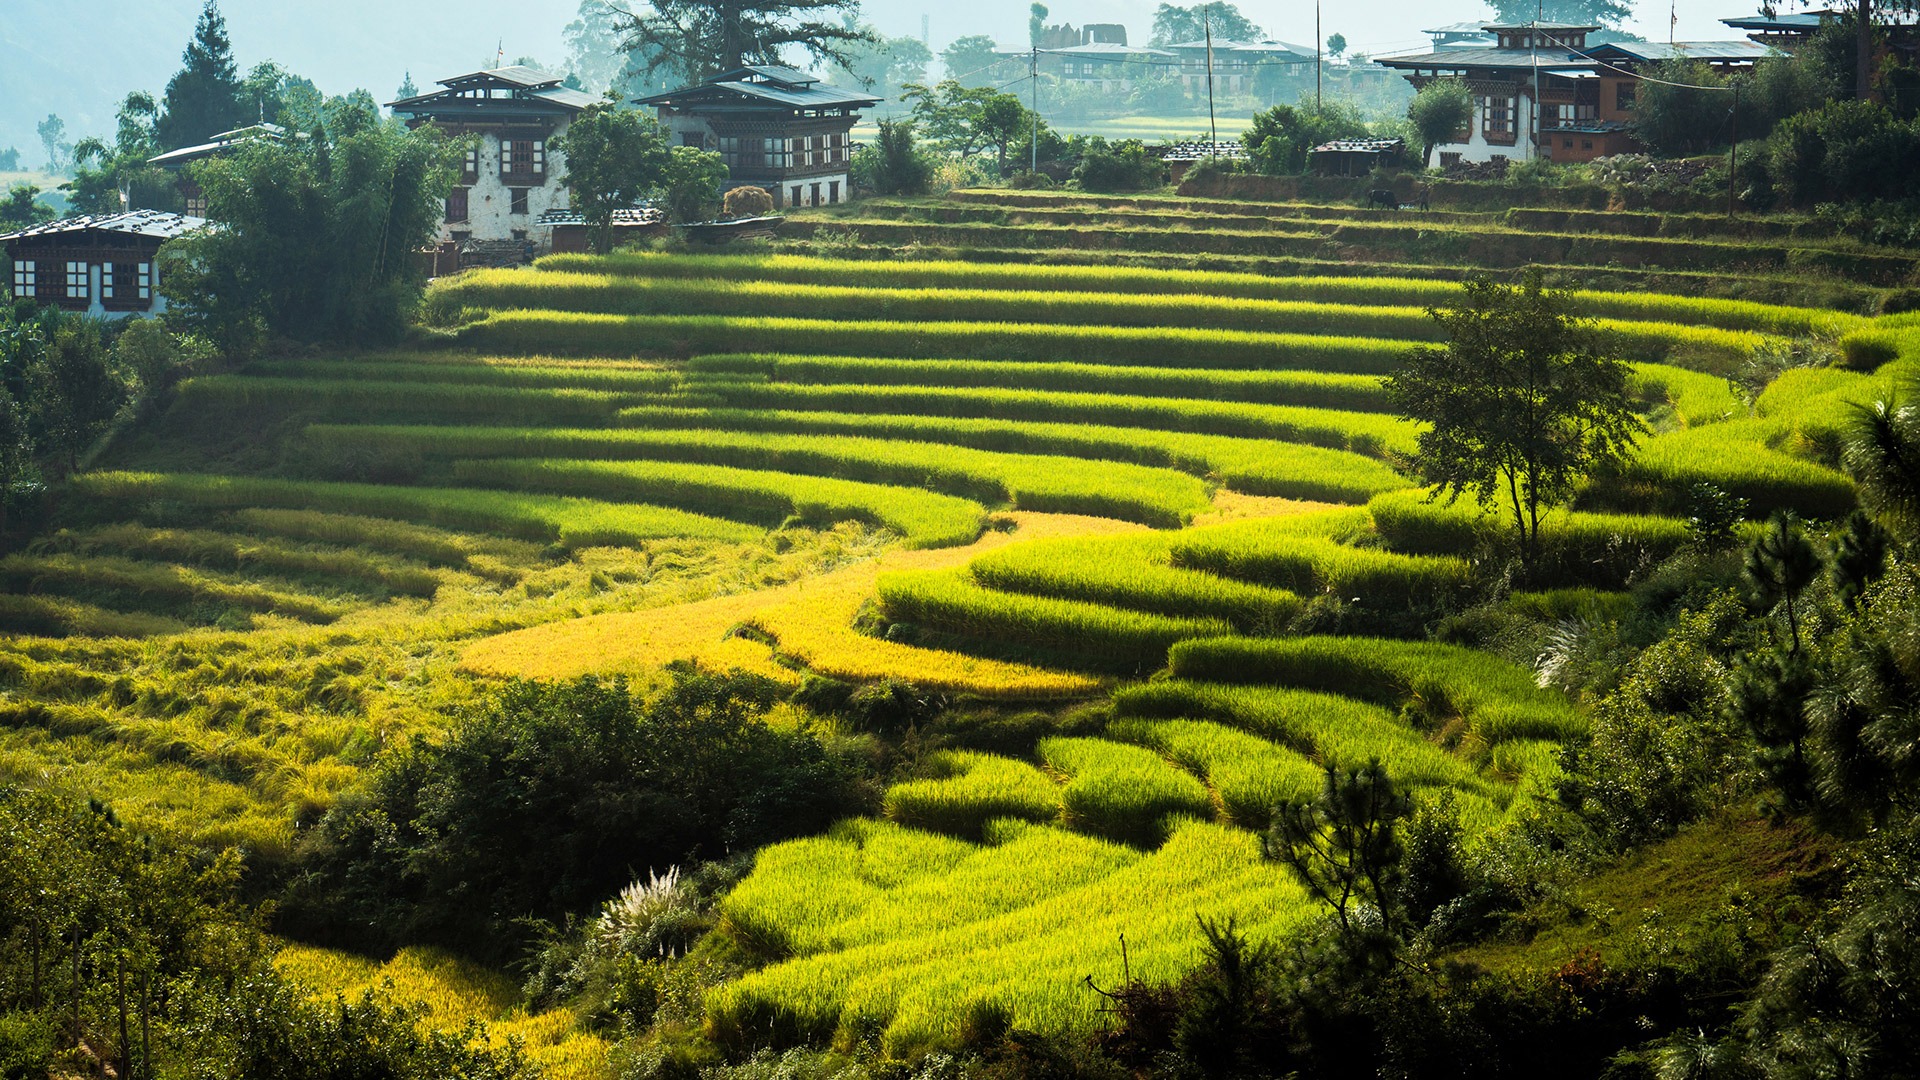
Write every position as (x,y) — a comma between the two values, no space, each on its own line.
(1382,199)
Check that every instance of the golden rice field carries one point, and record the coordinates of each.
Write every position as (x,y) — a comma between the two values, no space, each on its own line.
(1038,495)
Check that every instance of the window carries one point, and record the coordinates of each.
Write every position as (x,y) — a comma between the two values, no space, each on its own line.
(196,203)
(76,281)
(833,191)
(26,278)
(689,138)
(1586,144)
(520,235)
(523,157)
(457,204)
(1623,96)
(1567,144)
(470,171)
(143,280)
(519,205)
(1449,158)
(1497,119)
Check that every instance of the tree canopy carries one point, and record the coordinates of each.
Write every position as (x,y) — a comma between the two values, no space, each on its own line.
(1521,404)
(1603,13)
(614,157)
(885,64)
(968,59)
(1280,137)
(203,98)
(1439,112)
(696,39)
(1173,24)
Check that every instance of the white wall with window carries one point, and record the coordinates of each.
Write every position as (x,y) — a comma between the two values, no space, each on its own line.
(507,181)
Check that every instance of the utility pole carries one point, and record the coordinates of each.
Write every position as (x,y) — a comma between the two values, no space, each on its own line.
(1033,72)
(1319,47)
(1533,39)
(1213,127)
(1733,148)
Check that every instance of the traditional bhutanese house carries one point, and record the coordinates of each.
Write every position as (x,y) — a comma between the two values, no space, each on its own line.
(1354,157)
(1235,63)
(572,234)
(775,127)
(511,176)
(176,161)
(1785,31)
(103,265)
(1183,156)
(1544,57)
(1601,122)
(1105,65)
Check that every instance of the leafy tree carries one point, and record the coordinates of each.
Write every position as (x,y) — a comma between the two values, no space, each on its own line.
(1521,403)
(17,468)
(317,236)
(1121,165)
(964,121)
(614,157)
(551,797)
(691,181)
(1439,112)
(71,395)
(970,59)
(22,208)
(1344,847)
(203,98)
(883,65)
(106,173)
(10,159)
(51,131)
(1036,23)
(1280,137)
(1004,122)
(599,59)
(1842,151)
(1603,13)
(1175,25)
(1677,120)
(1336,45)
(892,164)
(697,39)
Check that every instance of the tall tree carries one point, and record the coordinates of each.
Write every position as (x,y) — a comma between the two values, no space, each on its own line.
(968,59)
(690,183)
(1608,14)
(696,39)
(1336,45)
(1036,23)
(20,207)
(109,178)
(886,64)
(1174,25)
(614,156)
(891,164)
(1439,112)
(1280,137)
(204,96)
(1521,403)
(51,131)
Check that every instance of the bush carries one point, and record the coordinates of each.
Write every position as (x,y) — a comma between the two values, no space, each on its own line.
(1118,166)
(1843,151)
(748,201)
(547,799)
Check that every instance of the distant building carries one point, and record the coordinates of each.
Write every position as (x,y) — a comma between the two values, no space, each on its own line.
(176,161)
(1103,65)
(1584,93)
(1460,35)
(1354,157)
(775,127)
(512,176)
(1235,63)
(1785,31)
(104,265)
(1180,157)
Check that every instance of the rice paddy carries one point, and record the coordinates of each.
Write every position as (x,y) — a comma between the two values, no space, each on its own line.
(1022,484)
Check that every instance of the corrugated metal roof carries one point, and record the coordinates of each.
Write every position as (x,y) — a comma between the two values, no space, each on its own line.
(563,95)
(514,75)
(1360,146)
(805,97)
(1103,49)
(1692,50)
(1472,27)
(1233,150)
(157,224)
(633,216)
(775,72)
(1487,58)
(1799,20)
(222,141)
(1227,45)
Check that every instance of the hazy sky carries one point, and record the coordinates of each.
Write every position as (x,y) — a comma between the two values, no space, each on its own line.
(77,58)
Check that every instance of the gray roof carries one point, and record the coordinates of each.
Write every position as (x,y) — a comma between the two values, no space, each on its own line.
(1692,50)
(1798,20)
(1234,150)
(528,84)
(222,141)
(1361,146)
(630,216)
(810,94)
(1227,45)
(774,72)
(157,224)
(1104,49)
(1548,60)
(1471,27)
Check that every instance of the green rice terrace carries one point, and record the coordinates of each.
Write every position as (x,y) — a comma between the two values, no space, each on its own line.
(1124,464)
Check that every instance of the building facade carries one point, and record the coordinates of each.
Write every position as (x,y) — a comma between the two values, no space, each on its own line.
(775,127)
(511,175)
(1235,63)
(176,161)
(105,265)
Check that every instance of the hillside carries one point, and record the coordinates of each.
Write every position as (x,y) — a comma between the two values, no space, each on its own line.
(1120,470)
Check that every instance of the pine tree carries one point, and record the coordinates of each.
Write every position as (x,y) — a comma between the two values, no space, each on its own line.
(203,98)
(407,89)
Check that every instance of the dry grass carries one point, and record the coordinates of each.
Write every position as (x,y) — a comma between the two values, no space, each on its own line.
(810,619)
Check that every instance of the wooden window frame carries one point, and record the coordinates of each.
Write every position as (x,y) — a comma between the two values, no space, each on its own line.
(470,167)
(77,269)
(517,200)
(26,278)
(460,197)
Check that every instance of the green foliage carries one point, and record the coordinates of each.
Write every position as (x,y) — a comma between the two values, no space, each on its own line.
(1522,405)
(1344,848)
(690,183)
(964,121)
(696,42)
(964,792)
(892,164)
(203,98)
(318,236)
(614,157)
(22,208)
(595,780)
(1841,151)
(1439,112)
(1680,120)
(1175,25)
(1122,792)
(1124,165)
(1279,138)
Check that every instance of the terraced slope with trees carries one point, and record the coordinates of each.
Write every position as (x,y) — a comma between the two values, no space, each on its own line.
(249,598)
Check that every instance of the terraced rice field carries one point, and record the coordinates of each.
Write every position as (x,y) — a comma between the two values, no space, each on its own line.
(1027,483)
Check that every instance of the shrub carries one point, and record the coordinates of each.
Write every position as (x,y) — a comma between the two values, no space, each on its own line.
(747,201)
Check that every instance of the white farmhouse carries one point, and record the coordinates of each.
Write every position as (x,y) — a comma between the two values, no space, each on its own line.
(512,176)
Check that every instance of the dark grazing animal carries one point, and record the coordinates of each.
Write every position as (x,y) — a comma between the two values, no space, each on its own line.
(1382,199)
